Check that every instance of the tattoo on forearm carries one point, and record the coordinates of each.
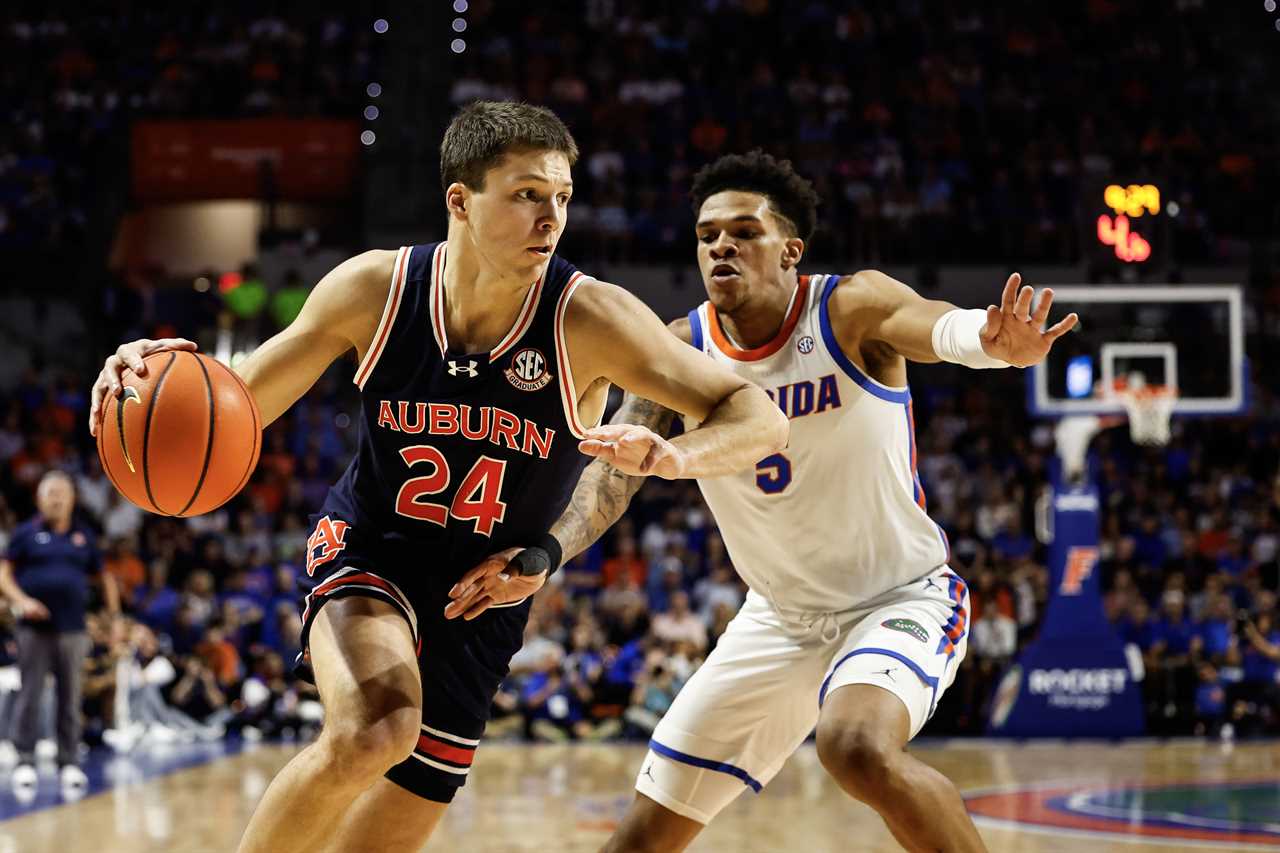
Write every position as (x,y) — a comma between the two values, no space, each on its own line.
(603,493)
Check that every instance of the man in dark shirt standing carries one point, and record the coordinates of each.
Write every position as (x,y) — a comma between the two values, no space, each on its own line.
(45,574)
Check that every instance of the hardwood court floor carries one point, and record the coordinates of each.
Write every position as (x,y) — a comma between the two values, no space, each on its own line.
(568,798)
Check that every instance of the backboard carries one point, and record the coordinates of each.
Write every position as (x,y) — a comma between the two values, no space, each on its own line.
(1191,337)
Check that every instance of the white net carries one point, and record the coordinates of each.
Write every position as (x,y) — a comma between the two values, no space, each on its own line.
(1150,409)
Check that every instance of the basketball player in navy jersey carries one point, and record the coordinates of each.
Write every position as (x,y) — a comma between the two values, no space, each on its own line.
(854,625)
(484,366)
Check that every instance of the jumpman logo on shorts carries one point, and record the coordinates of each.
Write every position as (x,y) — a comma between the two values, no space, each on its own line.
(888,673)
(648,771)
(930,583)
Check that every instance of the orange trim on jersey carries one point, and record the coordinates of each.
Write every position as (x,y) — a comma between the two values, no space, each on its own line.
(567,390)
(437,300)
(522,324)
(725,346)
(915,472)
(388,317)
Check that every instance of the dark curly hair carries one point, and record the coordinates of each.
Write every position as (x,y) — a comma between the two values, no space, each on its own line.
(791,196)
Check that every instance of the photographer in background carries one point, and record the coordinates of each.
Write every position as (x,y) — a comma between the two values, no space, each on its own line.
(45,574)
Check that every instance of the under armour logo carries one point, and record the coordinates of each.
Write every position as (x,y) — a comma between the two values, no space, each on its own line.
(648,771)
(888,673)
(929,583)
(456,369)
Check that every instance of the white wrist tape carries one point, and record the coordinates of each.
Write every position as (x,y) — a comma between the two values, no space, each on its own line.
(955,339)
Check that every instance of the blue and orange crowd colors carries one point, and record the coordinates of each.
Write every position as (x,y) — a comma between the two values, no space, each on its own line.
(968,135)
(1191,546)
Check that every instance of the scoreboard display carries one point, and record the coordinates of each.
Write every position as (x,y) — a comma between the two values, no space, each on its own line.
(1126,224)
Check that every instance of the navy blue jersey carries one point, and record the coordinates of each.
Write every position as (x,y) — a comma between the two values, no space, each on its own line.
(55,569)
(460,454)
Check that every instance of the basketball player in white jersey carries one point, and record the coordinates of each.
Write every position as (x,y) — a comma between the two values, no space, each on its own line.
(854,623)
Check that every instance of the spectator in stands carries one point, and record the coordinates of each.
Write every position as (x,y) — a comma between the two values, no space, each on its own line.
(680,624)
(45,574)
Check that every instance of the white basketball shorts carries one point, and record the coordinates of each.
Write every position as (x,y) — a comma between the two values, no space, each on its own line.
(759,693)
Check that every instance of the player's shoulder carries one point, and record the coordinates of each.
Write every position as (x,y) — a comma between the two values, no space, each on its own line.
(360,279)
(682,329)
(599,301)
(863,291)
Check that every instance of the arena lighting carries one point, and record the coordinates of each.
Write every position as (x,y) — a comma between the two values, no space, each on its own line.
(368,137)
(1269,5)
(381,25)
(460,6)
(373,90)
(201,285)
(371,112)
(458,45)
(459,25)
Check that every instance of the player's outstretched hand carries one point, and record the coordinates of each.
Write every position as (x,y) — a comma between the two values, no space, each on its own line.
(494,581)
(634,450)
(127,357)
(1014,334)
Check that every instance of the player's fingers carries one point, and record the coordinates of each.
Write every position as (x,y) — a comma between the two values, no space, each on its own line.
(171,343)
(994,319)
(1010,293)
(599,449)
(480,606)
(488,566)
(659,453)
(608,432)
(130,356)
(1022,309)
(97,395)
(1041,314)
(1063,326)
(635,437)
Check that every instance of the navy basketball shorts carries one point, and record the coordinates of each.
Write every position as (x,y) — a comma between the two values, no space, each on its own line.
(461,663)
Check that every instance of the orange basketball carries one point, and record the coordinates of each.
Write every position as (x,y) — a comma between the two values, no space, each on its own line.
(182,440)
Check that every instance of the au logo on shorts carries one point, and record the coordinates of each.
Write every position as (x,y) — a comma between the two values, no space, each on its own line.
(528,370)
(907,626)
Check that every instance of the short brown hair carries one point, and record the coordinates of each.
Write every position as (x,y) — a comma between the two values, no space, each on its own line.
(483,132)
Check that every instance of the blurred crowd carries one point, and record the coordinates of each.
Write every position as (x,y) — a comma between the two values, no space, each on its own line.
(73,81)
(936,132)
(1190,561)
(949,133)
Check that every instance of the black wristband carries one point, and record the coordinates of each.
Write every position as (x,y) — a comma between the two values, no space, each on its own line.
(544,556)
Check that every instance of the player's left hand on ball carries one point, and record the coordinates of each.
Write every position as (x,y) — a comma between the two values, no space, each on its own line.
(1016,335)
(634,450)
(492,582)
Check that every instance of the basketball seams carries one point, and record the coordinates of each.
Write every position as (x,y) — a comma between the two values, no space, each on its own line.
(257,430)
(102,455)
(208,447)
(146,432)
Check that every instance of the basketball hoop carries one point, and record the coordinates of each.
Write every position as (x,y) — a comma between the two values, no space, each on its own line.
(1150,409)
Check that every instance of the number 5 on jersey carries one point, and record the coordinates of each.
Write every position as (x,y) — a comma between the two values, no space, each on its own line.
(478,499)
(773,474)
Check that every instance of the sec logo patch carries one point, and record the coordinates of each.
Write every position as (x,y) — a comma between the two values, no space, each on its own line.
(805,345)
(528,370)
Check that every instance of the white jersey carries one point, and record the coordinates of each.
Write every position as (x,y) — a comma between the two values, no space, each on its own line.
(838,517)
